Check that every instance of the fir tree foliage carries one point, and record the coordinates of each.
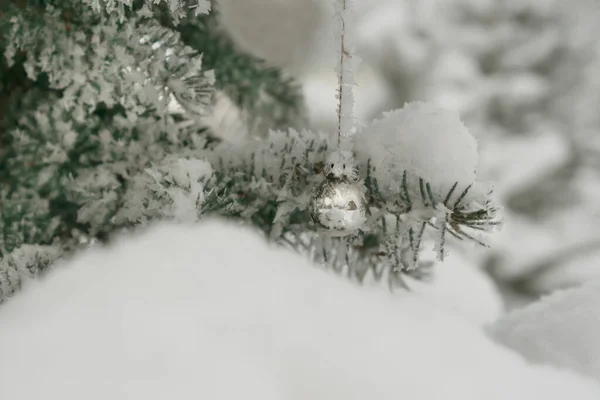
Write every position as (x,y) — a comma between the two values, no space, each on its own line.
(267,96)
(91,147)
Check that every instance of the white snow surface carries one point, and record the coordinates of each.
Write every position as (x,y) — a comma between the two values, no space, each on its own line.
(562,329)
(460,287)
(211,311)
(422,138)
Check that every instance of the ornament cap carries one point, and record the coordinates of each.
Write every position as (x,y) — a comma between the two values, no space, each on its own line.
(340,165)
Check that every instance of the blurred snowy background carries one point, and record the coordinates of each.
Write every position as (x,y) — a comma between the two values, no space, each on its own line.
(525,77)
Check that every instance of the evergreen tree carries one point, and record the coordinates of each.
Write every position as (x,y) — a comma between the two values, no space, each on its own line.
(107,121)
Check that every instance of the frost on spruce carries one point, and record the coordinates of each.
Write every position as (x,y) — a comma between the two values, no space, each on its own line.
(422,165)
(178,9)
(89,141)
(92,146)
(275,178)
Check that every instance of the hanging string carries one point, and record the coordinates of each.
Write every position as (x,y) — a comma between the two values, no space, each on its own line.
(343,54)
(346,64)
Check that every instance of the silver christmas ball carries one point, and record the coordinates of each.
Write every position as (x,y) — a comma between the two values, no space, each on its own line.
(338,204)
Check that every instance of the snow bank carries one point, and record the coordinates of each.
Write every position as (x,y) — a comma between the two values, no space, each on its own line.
(211,312)
(460,287)
(562,329)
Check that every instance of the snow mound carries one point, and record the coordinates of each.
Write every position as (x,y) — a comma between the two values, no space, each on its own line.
(423,139)
(562,329)
(460,287)
(211,311)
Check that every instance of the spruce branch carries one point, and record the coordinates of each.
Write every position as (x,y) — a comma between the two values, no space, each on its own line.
(268,97)
(392,240)
(177,9)
(97,151)
(267,184)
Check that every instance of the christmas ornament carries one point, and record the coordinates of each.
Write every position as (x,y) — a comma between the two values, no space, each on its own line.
(338,204)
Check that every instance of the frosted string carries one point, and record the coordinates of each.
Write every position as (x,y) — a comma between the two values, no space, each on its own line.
(343,54)
(345,69)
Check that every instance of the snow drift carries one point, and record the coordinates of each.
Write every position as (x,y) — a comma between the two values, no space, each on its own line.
(561,329)
(212,312)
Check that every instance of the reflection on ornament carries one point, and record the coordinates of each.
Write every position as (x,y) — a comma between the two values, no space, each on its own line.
(338,204)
